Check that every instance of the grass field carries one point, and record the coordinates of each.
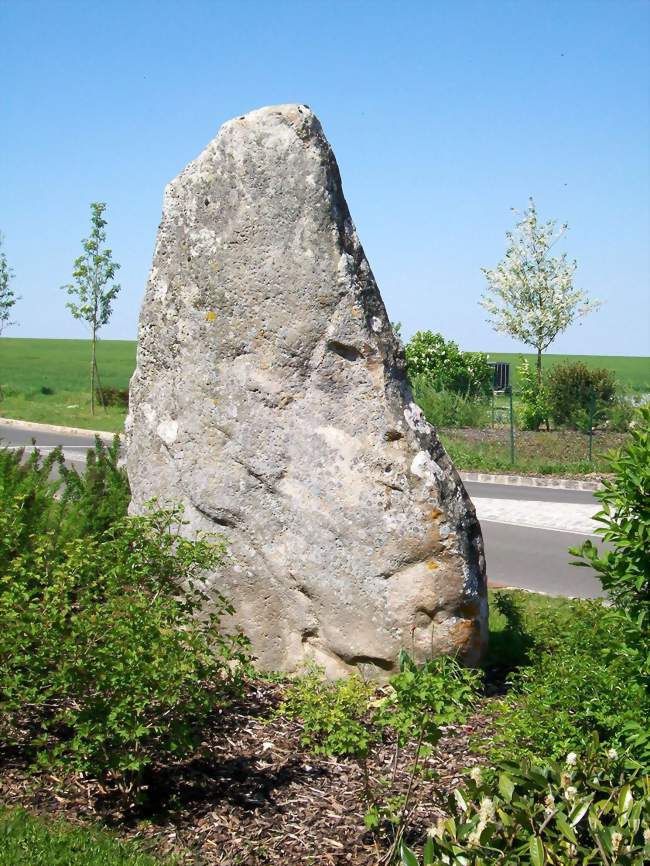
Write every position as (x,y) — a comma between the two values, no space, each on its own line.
(633,372)
(63,367)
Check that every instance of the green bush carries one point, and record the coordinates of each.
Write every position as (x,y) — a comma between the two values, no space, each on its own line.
(333,714)
(571,387)
(93,500)
(447,408)
(40,495)
(111,396)
(587,672)
(104,663)
(28,506)
(624,567)
(445,367)
(621,414)
(591,810)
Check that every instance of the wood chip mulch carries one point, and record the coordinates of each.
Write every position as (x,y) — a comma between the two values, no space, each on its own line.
(253,795)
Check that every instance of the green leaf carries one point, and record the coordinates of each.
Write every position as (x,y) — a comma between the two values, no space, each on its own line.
(565,828)
(579,810)
(625,799)
(408,857)
(462,803)
(537,856)
(506,787)
(428,852)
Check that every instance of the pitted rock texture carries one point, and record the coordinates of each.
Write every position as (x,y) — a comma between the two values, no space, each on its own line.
(270,399)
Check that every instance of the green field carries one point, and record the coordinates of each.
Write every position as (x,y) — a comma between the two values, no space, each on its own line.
(633,372)
(28,366)
(63,367)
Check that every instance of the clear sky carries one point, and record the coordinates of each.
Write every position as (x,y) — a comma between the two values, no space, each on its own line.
(442,115)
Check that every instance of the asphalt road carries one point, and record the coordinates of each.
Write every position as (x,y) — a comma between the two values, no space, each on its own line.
(527,530)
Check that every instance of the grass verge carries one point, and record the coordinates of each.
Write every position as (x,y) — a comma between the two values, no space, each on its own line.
(28,840)
(557,452)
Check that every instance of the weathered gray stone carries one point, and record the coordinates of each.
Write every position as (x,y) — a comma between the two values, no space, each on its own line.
(270,399)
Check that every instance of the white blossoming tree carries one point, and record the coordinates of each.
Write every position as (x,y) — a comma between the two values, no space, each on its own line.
(530,294)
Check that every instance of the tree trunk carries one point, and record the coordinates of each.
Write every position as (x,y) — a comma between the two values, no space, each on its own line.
(539,366)
(92,376)
(99,387)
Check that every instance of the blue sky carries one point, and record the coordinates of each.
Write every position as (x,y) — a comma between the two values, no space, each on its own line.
(442,115)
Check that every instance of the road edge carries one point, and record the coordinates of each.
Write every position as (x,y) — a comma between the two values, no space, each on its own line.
(56,428)
(532,481)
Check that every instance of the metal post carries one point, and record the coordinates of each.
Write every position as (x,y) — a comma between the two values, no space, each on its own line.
(592,412)
(512,428)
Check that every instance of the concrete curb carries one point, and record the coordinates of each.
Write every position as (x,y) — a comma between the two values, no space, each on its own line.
(55,428)
(532,481)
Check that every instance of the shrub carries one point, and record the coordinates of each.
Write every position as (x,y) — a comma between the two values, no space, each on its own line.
(445,367)
(28,506)
(593,809)
(624,567)
(447,408)
(111,396)
(332,714)
(587,672)
(94,500)
(104,664)
(571,388)
(40,495)
(534,409)
(621,413)
(346,716)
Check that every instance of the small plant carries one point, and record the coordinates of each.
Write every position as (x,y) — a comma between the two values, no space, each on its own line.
(348,717)
(624,567)
(333,714)
(95,499)
(590,809)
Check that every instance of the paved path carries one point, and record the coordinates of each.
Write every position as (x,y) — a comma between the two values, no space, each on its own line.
(527,530)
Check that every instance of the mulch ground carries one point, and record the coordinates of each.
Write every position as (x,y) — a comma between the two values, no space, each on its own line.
(253,795)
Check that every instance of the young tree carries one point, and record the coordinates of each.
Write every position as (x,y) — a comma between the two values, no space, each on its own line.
(7,296)
(530,294)
(93,287)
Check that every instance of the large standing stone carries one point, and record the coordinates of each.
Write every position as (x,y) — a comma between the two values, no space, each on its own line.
(270,399)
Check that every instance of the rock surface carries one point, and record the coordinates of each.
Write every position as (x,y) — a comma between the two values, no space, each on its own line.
(270,399)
